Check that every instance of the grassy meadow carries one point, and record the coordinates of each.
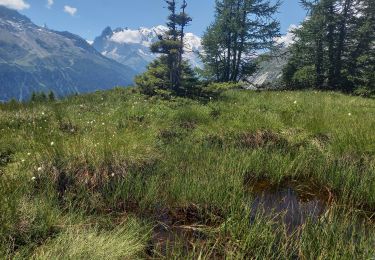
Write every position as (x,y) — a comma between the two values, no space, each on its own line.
(118,175)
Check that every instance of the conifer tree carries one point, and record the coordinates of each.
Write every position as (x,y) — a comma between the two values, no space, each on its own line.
(241,29)
(51,96)
(183,20)
(43,97)
(170,72)
(339,43)
(172,43)
(33,97)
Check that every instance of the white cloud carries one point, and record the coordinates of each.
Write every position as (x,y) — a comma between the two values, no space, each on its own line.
(288,38)
(15,4)
(50,3)
(70,10)
(127,36)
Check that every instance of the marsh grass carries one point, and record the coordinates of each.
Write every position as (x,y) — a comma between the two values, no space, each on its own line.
(126,241)
(118,159)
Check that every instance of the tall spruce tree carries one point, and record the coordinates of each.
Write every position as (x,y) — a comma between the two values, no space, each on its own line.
(183,20)
(170,72)
(169,45)
(172,43)
(241,29)
(361,59)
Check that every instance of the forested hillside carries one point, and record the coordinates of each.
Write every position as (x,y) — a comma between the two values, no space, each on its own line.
(335,47)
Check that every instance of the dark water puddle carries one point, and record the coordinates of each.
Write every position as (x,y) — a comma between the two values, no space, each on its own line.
(291,202)
(182,228)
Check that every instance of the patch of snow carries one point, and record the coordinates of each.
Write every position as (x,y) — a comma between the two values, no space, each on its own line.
(127,36)
(289,37)
(127,41)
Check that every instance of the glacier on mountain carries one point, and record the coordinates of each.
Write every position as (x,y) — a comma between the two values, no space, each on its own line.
(131,47)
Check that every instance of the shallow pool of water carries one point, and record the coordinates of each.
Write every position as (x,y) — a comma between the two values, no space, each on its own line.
(291,202)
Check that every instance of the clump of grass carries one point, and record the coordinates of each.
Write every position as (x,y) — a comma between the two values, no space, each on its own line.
(26,220)
(68,127)
(259,139)
(5,156)
(170,135)
(190,116)
(127,241)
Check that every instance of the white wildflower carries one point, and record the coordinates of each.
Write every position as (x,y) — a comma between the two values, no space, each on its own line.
(350,114)
(40,169)
(33,178)
(52,143)
(295,102)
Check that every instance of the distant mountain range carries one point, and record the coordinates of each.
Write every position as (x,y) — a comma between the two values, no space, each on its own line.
(37,59)
(33,58)
(132,47)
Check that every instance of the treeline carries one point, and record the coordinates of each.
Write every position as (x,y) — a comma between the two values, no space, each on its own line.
(42,97)
(334,47)
(36,97)
(241,29)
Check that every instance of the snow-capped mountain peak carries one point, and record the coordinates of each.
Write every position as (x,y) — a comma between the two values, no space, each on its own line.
(132,46)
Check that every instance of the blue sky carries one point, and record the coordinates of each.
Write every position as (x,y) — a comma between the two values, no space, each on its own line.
(88,18)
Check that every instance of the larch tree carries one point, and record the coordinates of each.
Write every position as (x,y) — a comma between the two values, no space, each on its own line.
(242,28)
(342,35)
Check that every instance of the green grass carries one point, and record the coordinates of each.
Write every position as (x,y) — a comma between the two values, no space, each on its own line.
(123,242)
(89,176)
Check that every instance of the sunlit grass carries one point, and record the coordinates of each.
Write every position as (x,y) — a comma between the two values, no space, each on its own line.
(111,155)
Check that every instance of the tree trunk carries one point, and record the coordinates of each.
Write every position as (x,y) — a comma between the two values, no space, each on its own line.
(341,41)
(319,62)
(331,46)
(242,42)
(236,40)
(229,42)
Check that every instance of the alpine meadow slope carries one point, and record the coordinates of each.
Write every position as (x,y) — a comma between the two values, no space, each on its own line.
(120,175)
